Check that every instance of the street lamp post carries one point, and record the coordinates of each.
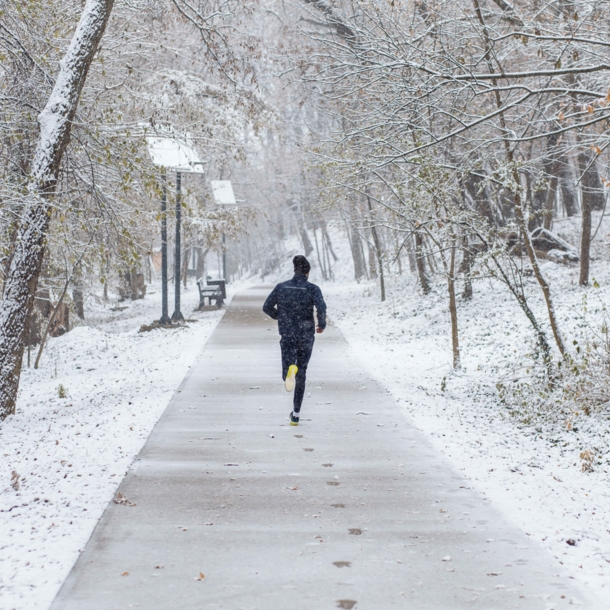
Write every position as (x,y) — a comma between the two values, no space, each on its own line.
(174,153)
(224,258)
(177,315)
(165,319)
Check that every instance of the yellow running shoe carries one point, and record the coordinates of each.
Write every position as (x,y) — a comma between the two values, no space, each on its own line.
(294,418)
(290,378)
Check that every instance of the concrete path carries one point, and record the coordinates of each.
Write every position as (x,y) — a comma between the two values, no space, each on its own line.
(352,509)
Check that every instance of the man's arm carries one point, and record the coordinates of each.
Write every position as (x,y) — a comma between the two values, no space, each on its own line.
(320,310)
(270,306)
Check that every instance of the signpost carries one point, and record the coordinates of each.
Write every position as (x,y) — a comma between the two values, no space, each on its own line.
(171,153)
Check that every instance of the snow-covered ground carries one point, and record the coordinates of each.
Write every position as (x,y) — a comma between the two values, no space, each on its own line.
(528,464)
(71,453)
(63,458)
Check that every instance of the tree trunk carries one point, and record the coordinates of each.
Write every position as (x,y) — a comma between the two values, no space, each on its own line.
(546,290)
(591,183)
(55,124)
(550,166)
(421,264)
(372,257)
(320,260)
(307,245)
(185,266)
(329,243)
(201,254)
(378,251)
(585,237)
(455,339)
(77,294)
(357,253)
(411,255)
(566,182)
(465,268)
(551,195)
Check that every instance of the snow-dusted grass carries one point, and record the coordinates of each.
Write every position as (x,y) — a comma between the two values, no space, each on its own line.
(70,454)
(529,464)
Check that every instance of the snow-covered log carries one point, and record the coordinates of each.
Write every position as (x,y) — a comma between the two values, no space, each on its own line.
(55,123)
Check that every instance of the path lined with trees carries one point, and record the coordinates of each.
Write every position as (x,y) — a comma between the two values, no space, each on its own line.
(228,505)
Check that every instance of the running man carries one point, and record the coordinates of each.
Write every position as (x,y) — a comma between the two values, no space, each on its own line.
(291,303)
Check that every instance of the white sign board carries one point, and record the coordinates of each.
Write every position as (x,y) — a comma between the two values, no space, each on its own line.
(173,154)
(223,192)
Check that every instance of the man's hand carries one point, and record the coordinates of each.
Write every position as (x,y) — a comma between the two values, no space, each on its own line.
(319,330)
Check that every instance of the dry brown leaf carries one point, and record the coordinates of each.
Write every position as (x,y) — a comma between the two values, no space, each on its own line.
(121,499)
(201,576)
(15,480)
(125,574)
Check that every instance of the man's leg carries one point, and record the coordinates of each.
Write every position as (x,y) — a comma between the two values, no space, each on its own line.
(304,347)
(289,353)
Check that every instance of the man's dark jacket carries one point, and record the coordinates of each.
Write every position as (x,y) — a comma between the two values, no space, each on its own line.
(291,303)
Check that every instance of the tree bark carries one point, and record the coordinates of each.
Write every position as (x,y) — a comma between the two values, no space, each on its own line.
(372,257)
(455,338)
(421,264)
(307,246)
(585,237)
(544,285)
(77,293)
(466,267)
(357,253)
(378,251)
(551,195)
(566,182)
(55,123)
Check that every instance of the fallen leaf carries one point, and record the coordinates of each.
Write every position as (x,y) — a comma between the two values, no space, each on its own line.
(201,576)
(347,604)
(121,499)
(125,574)
(15,480)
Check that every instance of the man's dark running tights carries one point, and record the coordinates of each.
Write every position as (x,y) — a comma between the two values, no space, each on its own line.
(297,350)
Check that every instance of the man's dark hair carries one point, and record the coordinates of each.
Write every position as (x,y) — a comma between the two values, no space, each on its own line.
(301,264)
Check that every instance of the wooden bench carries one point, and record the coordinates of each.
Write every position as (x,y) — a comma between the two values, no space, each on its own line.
(214,293)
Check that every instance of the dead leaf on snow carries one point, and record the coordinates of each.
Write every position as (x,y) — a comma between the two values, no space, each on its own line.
(201,576)
(121,499)
(125,574)
(15,480)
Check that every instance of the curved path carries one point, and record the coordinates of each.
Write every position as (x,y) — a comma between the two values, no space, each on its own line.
(352,509)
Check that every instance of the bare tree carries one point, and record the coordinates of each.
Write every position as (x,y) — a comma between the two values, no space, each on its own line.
(55,123)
